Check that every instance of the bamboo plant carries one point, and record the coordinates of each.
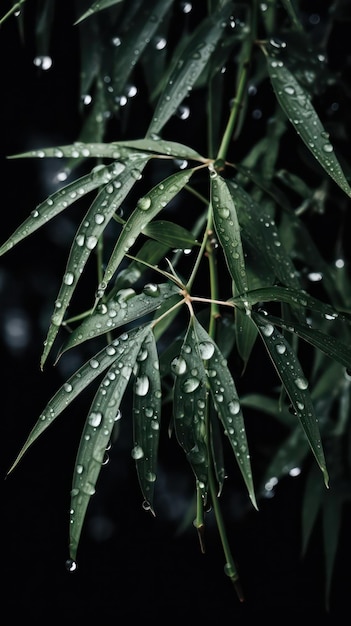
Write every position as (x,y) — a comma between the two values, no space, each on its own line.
(203,253)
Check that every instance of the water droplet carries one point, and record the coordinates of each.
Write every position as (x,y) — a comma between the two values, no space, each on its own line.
(137,453)
(178,366)
(68,278)
(141,386)
(43,61)
(280,348)
(95,418)
(206,350)
(191,384)
(71,565)
(328,147)
(151,289)
(301,383)
(234,407)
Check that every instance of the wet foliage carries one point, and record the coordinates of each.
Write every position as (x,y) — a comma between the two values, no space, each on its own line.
(201,235)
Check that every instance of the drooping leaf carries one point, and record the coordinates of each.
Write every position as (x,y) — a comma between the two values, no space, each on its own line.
(295,384)
(102,416)
(260,230)
(189,405)
(125,307)
(156,145)
(146,417)
(227,403)
(189,66)
(134,36)
(147,208)
(228,231)
(92,226)
(60,200)
(73,386)
(96,7)
(171,234)
(297,104)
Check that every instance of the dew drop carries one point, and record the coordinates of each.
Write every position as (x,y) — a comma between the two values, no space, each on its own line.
(206,350)
(301,383)
(142,385)
(178,366)
(71,565)
(137,453)
(191,384)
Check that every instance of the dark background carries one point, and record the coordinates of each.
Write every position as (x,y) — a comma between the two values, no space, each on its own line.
(130,565)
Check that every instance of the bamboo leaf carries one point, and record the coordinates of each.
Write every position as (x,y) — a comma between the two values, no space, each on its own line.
(260,230)
(162,147)
(73,386)
(297,105)
(134,38)
(326,342)
(147,208)
(226,400)
(146,417)
(293,379)
(101,419)
(190,65)
(125,307)
(61,200)
(189,405)
(228,231)
(96,7)
(94,223)
(170,234)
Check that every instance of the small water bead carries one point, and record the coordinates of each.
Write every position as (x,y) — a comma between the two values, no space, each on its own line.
(94,363)
(43,61)
(137,453)
(178,366)
(79,469)
(71,565)
(141,386)
(206,350)
(95,419)
(68,278)
(183,112)
(191,384)
(91,242)
(267,330)
(290,91)
(151,289)
(301,383)
(280,348)
(68,387)
(234,407)
(328,148)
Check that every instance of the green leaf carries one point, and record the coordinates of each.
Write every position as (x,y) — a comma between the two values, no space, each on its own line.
(92,226)
(146,417)
(170,234)
(61,200)
(125,307)
(329,345)
(103,414)
(190,65)
(134,38)
(261,232)
(73,386)
(228,231)
(189,405)
(96,7)
(227,403)
(293,379)
(147,208)
(296,103)
(159,146)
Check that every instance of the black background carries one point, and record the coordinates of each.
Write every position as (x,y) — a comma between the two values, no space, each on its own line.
(130,565)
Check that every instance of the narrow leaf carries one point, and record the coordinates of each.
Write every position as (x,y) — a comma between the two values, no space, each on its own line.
(228,231)
(159,146)
(190,65)
(94,223)
(189,405)
(297,105)
(96,7)
(293,379)
(146,417)
(170,234)
(102,416)
(147,208)
(125,307)
(226,400)
(73,386)
(60,200)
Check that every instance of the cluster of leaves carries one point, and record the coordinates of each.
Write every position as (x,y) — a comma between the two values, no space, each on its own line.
(248,225)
